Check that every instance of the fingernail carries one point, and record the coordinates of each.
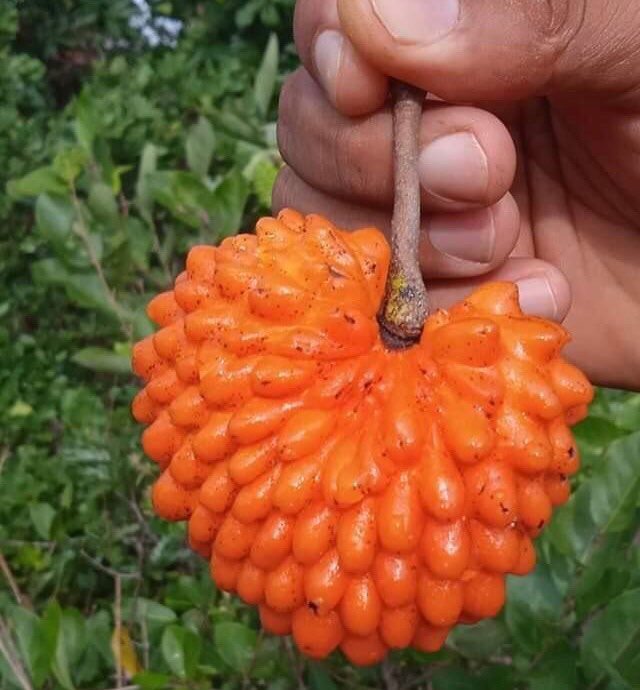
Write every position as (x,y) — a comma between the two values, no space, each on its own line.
(454,168)
(537,297)
(469,236)
(327,55)
(417,21)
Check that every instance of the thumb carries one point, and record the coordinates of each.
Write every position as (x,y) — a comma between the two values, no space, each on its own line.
(474,50)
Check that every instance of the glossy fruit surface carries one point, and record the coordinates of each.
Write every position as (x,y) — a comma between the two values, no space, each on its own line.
(362,498)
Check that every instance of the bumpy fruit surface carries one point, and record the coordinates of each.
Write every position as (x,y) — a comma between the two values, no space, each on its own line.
(363,498)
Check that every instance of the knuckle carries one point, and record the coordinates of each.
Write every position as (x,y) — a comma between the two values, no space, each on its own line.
(557,22)
(286,115)
(281,194)
(354,175)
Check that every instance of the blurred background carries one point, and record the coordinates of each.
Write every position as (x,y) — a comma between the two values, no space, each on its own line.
(131,130)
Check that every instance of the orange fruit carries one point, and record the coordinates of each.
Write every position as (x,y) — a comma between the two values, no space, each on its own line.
(363,498)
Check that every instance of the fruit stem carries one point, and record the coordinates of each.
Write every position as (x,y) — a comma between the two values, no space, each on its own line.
(405,307)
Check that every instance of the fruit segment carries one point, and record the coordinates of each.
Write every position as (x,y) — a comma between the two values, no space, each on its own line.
(363,498)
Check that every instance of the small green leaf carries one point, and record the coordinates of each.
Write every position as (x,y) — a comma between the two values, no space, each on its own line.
(479,641)
(85,123)
(200,146)
(85,289)
(236,127)
(68,164)
(605,502)
(148,166)
(319,679)
(102,360)
(59,627)
(40,181)
(20,409)
(102,202)
(236,644)
(181,651)
(229,204)
(610,637)
(42,516)
(265,82)
(154,612)
(534,607)
(35,646)
(147,680)
(453,679)
(264,177)
(184,195)
(556,669)
(54,218)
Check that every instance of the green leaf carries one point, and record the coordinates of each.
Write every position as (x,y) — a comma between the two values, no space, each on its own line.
(479,641)
(40,181)
(155,613)
(230,201)
(605,502)
(556,669)
(102,202)
(453,679)
(236,127)
(147,680)
(265,82)
(264,177)
(534,607)
(42,516)
(53,625)
(236,644)
(85,122)
(148,166)
(200,146)
(319,679)
(140,241)
(85,289)
(36,647)
(184,195)
(609,639)
(102,360)
(607,574)
(69,163)
(218,212)
(181,651)
(54,218)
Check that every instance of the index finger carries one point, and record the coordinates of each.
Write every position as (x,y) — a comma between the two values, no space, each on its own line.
(351,84)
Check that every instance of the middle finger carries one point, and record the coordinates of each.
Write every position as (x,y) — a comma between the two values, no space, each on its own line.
(467,157)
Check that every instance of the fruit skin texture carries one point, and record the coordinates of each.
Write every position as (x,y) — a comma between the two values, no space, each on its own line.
(362,498)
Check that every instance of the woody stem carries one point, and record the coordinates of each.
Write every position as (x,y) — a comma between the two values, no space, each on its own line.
(405,306)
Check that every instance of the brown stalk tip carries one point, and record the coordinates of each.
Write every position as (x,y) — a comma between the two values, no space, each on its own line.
(405,306)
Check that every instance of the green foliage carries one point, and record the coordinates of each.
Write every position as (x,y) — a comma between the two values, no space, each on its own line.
(120,155)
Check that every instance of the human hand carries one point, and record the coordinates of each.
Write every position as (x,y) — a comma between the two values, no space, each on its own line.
(536,182)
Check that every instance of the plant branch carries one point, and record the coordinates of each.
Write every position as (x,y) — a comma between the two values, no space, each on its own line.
(405,306)
(9,652)
(81,231)
(109,571)
(117,614)
(20,598)
(390,681)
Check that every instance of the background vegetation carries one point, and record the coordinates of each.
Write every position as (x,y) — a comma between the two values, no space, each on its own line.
(129,132)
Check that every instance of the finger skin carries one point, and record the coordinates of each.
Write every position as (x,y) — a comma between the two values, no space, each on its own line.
(352,158)
(359,87)
(551,301)
(505,50)
(292,192)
